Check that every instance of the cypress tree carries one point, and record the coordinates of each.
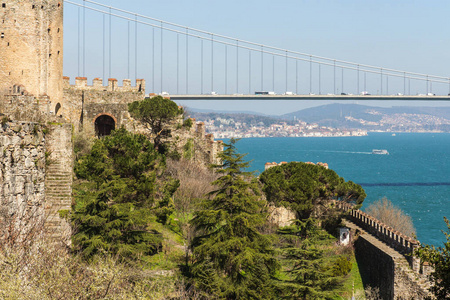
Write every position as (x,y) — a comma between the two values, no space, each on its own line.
(232,260)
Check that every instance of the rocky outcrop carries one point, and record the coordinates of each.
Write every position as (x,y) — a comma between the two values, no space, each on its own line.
(281,216)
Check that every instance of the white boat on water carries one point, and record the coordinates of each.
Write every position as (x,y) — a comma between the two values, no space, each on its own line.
(380,151)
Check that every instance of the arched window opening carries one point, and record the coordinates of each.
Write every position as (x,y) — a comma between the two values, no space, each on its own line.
(104,125)
(57,107)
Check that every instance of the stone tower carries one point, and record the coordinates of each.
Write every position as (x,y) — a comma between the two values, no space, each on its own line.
(31,48)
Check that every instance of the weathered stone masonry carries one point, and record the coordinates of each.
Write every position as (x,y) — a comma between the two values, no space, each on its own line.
(36,165)
(385,257)
(84,103)
(31,43)
(35,183)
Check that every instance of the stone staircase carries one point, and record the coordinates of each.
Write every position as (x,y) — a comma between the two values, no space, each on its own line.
(58,183)
(58,197)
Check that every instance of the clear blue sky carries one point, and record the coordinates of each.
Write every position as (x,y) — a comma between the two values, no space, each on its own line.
(408,35)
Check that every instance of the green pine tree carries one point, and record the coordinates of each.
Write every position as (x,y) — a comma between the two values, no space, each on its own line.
(302,187)
(232,260)
(310,270)
(156,113)
(114,205)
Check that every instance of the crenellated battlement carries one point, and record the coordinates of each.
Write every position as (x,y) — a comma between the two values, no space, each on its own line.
(400,242)
(81,83)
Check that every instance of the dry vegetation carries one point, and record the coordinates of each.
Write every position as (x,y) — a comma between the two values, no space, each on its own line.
(195,182)
(50,273)
(391,215)
(34,268)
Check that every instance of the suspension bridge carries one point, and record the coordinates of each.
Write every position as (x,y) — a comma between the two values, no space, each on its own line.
(193,64)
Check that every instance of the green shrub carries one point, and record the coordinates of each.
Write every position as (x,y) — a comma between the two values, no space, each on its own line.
(342,266)
(188,123)
(5,120)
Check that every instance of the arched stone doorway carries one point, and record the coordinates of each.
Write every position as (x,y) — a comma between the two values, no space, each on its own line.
(104,124)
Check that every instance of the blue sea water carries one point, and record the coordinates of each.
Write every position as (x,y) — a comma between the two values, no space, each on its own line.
(415,175)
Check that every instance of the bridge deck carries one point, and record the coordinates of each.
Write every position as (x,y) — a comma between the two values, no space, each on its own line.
(311,97)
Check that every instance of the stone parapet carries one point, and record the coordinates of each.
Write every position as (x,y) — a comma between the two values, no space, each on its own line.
(81,83)
(389,235)
(400,242)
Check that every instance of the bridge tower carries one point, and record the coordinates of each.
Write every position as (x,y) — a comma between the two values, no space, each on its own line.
(31,48)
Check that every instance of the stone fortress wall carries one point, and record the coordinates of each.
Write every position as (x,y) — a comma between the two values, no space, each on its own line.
(31,43)
(385,255)
(84,104)
(34,93)
(35,182)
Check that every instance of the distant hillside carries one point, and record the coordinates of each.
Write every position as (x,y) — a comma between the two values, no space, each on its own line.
(376,118)
(249,119)
(346,116)
(207,111)
(333,115)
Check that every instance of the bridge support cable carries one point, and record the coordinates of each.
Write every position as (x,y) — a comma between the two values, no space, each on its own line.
(201,67)
(273,73)
(292,52)
(286,71)
(262,68)
(84,38)
(404,83)
(187,60)
(104,48)
(79,41)
(252,43)
(178,63)
(365,86)
(212,63)
(334,75)
(357,84)
(226,70)
(381,81)
(296,77)
(237,67)
(162,60)
(240,45)
(128,67)
(310,75)
(250,72)
(153,59)
(320,87)
(110,41)
(135,48)
(387,85)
